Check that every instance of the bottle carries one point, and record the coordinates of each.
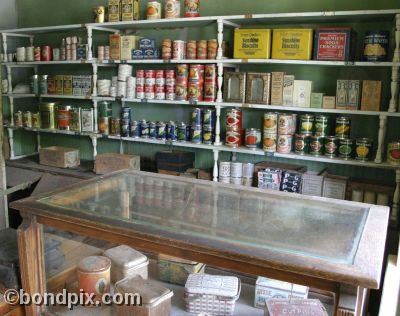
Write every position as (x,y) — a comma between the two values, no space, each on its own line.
(63,50)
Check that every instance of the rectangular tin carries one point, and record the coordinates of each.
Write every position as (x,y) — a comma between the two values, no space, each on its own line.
(67,85)
(333,44)
(86,84)
(252,44)
(75,123)
(371,95)
(87,120)
(113,10)
(51,85)
(235,87)
(277,81)
(258,87)
(292,44)
(328,102)
(59,79)
(115,46)
(77,85)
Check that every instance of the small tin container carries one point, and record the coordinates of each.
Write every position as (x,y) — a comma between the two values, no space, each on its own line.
(172,9)
(195,91)
(236,169)
(284,144)
(285,124)
(302,144)
(166,49)
(170,93)
(18,119)
(153,10)
(172,133)
(181,132)
(345,149)
(316,145)
(270,122)
(196,134)
(161,130)
(125,127)
(363,149)
(248,170)
(35,86)
(149,92)
(233,137)
(181,91)
(321,126)
(63,117)
(37,54)
(202,49)
(152,130)
(191,50)
(115,126)
(342,129)
(224,169)
(178,50)
(126,262)
(144,129)
(306,124)
(27,119)
(126,113)
(376,46)
(140,92)
(208,136)
(36,120)
(234,118)
(212,48)
(197,116)
(253,138)
(48,115)
(330,146)
(182,72)
(210,73)
(209,117)
(94,276)
(393,153)
(196,73)
(210,91)
(159,93)
(155,299)
(46,53)
(192,8)
(43,84)
(269,142)
(104,125)
(135,129)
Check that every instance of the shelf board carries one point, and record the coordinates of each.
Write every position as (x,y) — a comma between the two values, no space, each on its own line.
(20,95)
(311,62)
(56,96)
(50,131)
(161,61)
(17,65)
(44,29)
(53,62)
(194,103)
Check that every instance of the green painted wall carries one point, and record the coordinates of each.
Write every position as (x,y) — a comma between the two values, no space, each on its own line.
(44,12)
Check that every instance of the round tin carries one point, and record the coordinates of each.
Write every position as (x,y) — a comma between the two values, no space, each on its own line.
(376,45)
(161,130)
(160,92)
(212,47)
(140,92)
(153,10)
(233,137)
(104,109)
(192,8)
(269,142)
(43,84)
(253,138)
(191,50)
(234,118)
(209,117)
(306,124)
(35,84)
(196,73)
(115,126)
(125,127)
(195,91)
(37,54)
(126,113)
(36,120)
(236,169)
(302,144)
(345,148)
(94,276)
(171,131)
(48,114)
(178,49)
(181,91)
(170,93)
(197,115)
(46,53)
(149,92)
(135,129)
(363,149)
(196,134)
(27,119)
(210,91)
(181,132)
(18,119)
(152,130)
(202,49)
(63,117)
(316,145)
(172,9)
(166,49)
(104,125)
(248,170)
(284,144)
(393,153)
(224,169)
(321,125)
(207,134)
(330,146)
(285,124)
(210,73)
(182,72)
(342,129)
(144,129)
(270,122)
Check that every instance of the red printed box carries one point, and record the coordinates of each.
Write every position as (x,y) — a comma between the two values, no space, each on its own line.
(334,44)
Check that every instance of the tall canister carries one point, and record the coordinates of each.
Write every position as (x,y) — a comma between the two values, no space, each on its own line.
(48,114)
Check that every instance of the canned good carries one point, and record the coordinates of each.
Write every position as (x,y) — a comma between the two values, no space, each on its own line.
(210,91)
(321,125)
(43,84)
(170,93)
(153,10)
(36,120)
(224,180)
(202,49)
(181,132)
(306,124)
(233,137)
(253,138)
(343,127)
(160,77)
(196,134)
(224,169)
(37,54)
(172,9)
(210,72)
(236,169)
(104,109)
(302,144)
(285,124)
(63,117)
(294,124)
(269,142)
(212,47)
(270,122)
(393,153)
(363,150)
(196,73)
(330,146)
(160,92)
(209,117)
(18,119)
(316,145)
(182,72)
(48,115)
(192,8)
(144,129)
(104,125)
(197,116)
(125,127)
(195,92)
(140,92)
(178,50)
(166,49)
(234,118)
(284,144)
(161,130)
(149,92)
(191,50)
(181,91)
(153,130)
(172,133)
(208,134)
(376,45)
(115,126)
(135,129)
(126,113)
(46,53)
(345,148)
(248,170)
(35,84)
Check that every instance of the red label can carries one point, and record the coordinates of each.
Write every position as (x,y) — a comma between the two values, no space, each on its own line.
(139,91)
(182,71)
(191,50)
(181,91)
(202,49)
(195,92)
(46,53)
(37,54)
(233,137)
(150,74)
(210,91)
(210,73)
(63,117)
(234,118)
(212,47)
(192,8)
(196,73)
(179,50)
(170,74)
(140,73)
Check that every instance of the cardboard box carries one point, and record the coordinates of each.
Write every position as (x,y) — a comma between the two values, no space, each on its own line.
(56,156)
(334,187)
(67,85)
(287,94)
(371,95)
(277,165)
(252,44)
(348,94)
(292,44)
(302,93)
(77,85)
(51,85)
(269,288)
(113,10)
(316,100)
(176,161)
(328,102)
(128,43)
(312,183)
(205,175)
(127,10)
(296,307)
(115,46)
(277,81)
(110,162)
(59,79)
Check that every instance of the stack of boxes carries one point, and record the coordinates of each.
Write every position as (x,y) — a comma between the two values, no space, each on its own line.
(146,50)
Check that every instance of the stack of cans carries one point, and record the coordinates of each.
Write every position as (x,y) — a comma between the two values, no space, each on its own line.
(150,84)
(210,83)
(170,85)
(125,122)
(286,129)
(160,85)
(105,111)
(270,131)
(236,173)
(234,131)
(196,83)
(114,86)
(124,71)
(130,87)
(196,126)
(140,84)
(203,126)
(182,77)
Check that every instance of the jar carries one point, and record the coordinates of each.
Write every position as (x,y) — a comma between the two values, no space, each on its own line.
(153,10)
(172,9)
(393,153)
(192,8)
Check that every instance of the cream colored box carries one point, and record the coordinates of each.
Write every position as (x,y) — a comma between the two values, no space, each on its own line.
(115,46)
(113,11)
(328,102)
(277,88)
(127,44)
(288,82)
(302,93)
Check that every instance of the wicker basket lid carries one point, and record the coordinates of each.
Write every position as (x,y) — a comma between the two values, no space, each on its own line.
(223,286)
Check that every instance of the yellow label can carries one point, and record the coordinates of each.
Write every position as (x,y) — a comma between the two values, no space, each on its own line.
(292,44)
(252,44)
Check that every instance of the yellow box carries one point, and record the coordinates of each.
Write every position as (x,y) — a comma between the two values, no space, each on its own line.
(292,44)
(114,13)
(252,44)
(128,42)
(67,85)
(115,46)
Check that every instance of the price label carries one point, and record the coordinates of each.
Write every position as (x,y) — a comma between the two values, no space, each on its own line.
(269,154)
(144,100)
(248,16)
(167,61)
(192,102)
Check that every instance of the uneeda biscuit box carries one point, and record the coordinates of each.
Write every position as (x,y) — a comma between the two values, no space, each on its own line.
(292,44)
(252,44)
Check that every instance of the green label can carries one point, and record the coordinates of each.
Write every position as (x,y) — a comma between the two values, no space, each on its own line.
(345,148)
(316,145)
(306,124)
(342,127)
(363,150)
(321,126)
(302,144)
(330,146)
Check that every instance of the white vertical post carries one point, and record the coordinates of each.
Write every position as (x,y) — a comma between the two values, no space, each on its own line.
(220,81)
(217,125)
(38,141)
(95,111)
(94,144)
(11,140)
(9,70)
(381,138)
(394,88)
(4,38)
(95,70)
(220,38)
(396,55)
(12,110)
(90,42)
(394,215)
(215,169)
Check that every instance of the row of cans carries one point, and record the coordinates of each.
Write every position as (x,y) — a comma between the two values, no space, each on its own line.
(250,137)
(179,50)
(236,173)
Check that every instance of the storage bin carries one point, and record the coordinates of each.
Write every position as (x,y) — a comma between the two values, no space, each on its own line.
(155,299)
(211,294)
(176,270)
(126,262)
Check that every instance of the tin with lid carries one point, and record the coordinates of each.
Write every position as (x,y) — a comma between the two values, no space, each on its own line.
(342,129)
(330,146)
(345,148)
(153,10)
(192,8)
(306,124)
(321,126)
(363,149)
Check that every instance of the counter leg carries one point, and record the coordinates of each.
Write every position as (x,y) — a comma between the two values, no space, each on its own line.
(361,303)
(31,261)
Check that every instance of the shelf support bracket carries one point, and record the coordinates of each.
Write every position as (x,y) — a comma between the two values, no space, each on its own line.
(220,38)
(394,215)
(217,125)
(215,169)
(9,70)
(95,111)
(12,110)
(381,138)
(394,88)
(220,80)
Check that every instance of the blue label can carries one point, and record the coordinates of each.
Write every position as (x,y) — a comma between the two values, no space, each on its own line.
(125,127)
(197,115)
(208,135)
(135,129)
(209,117)
(181,132)
(152,130)
(376,45)
(144,129)
(171,131)
(197,134)
(125,113)
(161,131)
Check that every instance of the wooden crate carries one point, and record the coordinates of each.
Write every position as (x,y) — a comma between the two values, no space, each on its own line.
(110,162)
(62,157)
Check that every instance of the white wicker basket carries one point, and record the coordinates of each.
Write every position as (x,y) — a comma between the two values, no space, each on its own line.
(211,294)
